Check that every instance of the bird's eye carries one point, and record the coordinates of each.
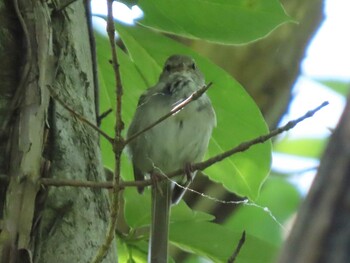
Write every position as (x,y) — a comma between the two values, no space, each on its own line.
(193,66)
(167,68)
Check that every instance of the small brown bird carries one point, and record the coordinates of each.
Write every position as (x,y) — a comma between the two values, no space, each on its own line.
(173,144)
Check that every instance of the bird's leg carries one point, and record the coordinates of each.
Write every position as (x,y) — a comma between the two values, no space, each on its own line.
(179,190)
(155,177)
(188,171)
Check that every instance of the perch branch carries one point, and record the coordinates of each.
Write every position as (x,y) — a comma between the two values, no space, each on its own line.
(197,166)
(261,139)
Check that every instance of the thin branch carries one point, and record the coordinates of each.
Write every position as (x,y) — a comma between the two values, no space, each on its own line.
(197,166)
(246,145)
(80,117)
(194,96)
(238,248)
(118,140)
(96,83)
(103,115)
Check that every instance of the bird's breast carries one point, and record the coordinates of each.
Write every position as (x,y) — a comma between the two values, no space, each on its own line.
(182,138)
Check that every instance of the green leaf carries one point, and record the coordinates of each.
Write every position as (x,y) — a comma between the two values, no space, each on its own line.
(181,212)
(341,87)
(304,147)
(222,21)
(132,251)
(239,119)
(217,242)
(138,210)
(281,198)
(129,3)
(123,253)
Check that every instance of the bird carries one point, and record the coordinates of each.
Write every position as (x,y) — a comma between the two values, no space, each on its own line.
(175,143)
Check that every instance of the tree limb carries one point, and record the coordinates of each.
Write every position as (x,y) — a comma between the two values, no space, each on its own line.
(197,166)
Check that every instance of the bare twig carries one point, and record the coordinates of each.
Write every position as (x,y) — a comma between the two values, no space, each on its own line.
(96,83)
(118,140)
(103,115)
(246,145)
(80,117)
(237,249)
(197,166)
(194,96)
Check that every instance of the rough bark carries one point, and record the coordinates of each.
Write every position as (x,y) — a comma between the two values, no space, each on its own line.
(53,224)
(27,112)
(10,50)
(321,232)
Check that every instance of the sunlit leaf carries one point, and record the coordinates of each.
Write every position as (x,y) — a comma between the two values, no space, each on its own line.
(229,22)
(239,119)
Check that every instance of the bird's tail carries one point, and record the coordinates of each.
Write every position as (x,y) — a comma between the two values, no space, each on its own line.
(161,201)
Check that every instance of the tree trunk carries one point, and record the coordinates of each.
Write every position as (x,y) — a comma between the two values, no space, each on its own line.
(44,140)
(321,232)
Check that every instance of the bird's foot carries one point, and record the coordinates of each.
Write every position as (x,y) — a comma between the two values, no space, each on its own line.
(188,171)
(155,177)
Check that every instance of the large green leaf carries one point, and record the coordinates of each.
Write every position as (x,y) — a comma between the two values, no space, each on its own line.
(223,21)
(281,198)
(239,119)
(218,242)
(138,210)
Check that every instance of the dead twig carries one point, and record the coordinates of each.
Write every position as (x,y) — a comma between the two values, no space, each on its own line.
(237,249)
